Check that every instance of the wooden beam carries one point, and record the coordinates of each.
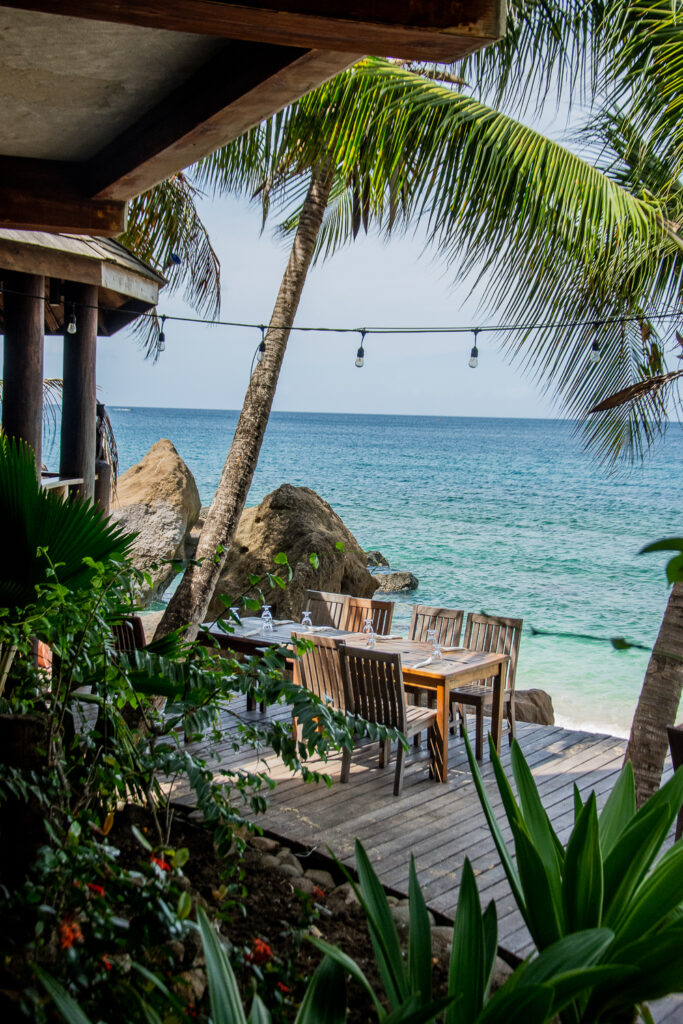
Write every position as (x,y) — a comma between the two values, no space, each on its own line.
(44,195)
(77,453)
(417,29)
(22,395)
(240,86)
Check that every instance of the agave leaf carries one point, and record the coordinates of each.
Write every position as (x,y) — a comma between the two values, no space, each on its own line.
(382,930)
(259,1013)
(543,917)
(619,809)
(419,940)
(537,823)
(490,923)
(572,952)
(226,1005)
(466,973)
(578,802)
(659,894)
(414,1011)
(655,970)
(324,1001)
(351,967)
(68,1007)
(582,886)
(489,813)
(518,1006)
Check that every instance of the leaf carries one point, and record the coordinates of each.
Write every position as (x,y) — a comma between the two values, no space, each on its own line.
(382,928)
(68,1007)
(538,825)
(259,1014)
(324,1000)
(525,1006)
(340,546)
(280,558)
(466,971)
(657,896)
(582,885)
(226,1005)
(350,966)
(419,940)
(314,560)
(542,915)
(184,908)
(143,841)
(619,809)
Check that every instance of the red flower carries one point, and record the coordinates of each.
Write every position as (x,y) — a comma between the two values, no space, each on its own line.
(106,962)
(69,932)
(318,892)
(190,1010)
(97,889)
(283,988)
(260,954)
(160,863)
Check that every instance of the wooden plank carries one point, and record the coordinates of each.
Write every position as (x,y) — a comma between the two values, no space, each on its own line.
(428,29)
(209,110)
(45,195)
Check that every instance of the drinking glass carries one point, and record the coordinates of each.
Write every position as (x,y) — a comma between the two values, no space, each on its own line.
(369,631)
(306,620)
(266,620)
(433,641)
(235,615)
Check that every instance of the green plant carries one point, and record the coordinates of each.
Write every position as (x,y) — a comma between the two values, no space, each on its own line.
(605,878)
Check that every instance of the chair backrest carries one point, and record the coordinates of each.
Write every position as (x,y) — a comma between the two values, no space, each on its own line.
(327,609)
(129,634)
(497,635)
(675,734)
(446,621)
(374,685)
(319,669)
(362,608)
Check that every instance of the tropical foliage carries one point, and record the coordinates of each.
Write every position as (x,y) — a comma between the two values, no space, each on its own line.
(605,877)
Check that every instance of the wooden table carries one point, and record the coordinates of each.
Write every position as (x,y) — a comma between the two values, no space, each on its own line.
(455,669)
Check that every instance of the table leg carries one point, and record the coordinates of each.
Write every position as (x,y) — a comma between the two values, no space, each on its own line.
(438,737)
(497,709)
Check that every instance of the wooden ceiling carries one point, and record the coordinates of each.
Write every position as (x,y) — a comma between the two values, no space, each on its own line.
(102,99)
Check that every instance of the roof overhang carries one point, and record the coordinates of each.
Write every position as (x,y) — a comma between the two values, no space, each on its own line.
(102,99)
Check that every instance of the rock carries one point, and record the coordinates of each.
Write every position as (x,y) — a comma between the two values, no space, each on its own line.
(297,521)
(343,896)
(305,885)
(287,857)
(534,706)
(501,973)
(442,941)
(375,558)
(315,932)
(291,870)
(401,916)
(269,861)
(390,582)
(322,878)
(157,499)
(191,985)
(264,844)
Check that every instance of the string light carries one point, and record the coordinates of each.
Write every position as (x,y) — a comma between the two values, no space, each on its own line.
(594,356)
(71,326)
(262,346)
(161,340)
(360,354)
(474,354)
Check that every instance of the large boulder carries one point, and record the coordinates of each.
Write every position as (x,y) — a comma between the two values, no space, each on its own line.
(297,521)
(534,706)
(158,499)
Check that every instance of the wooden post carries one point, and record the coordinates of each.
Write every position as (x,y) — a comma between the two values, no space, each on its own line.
(77,457)
(22,399)
(103,485)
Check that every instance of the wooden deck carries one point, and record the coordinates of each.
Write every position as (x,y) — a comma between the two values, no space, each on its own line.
(440,824)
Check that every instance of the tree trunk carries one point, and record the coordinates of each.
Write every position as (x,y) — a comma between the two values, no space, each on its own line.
(190,603)
(659,700)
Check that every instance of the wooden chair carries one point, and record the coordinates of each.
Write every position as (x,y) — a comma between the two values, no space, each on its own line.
(319,669)
(327,609)
(675,734)
(362,608)
(500,636)
(446,621)
(129,634)
(374,691)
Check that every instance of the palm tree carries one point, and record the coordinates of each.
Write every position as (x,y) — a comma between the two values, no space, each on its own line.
(563,238)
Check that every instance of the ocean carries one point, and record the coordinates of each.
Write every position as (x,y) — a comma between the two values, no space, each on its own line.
(508,516)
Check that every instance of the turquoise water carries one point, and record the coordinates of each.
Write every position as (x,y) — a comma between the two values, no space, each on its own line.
(509,516)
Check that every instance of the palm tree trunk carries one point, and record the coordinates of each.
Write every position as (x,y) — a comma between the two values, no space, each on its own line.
(659,700)
(189,604)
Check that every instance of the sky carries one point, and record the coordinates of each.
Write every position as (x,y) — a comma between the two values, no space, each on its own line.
(368,283)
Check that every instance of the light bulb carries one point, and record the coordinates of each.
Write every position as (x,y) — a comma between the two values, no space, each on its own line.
(161,343)
(261,352)
(71,327)
(360,357)
(474,357)
(594,356)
